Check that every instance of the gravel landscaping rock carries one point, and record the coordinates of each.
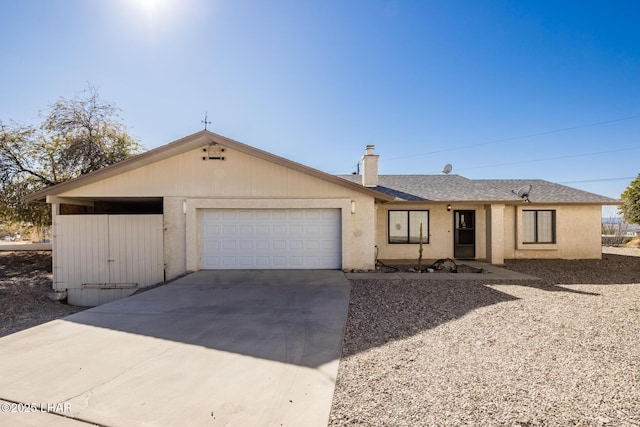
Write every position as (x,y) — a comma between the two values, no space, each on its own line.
(25,280)
(561,351)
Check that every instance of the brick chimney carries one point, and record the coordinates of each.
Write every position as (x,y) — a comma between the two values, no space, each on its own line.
(370,167)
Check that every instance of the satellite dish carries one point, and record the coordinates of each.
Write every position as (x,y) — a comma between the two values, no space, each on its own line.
(523,192)
(447,169)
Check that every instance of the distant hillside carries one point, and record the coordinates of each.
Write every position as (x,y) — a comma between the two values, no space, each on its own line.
(616,221)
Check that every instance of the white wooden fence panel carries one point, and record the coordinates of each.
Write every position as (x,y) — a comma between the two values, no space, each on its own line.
(136,249)
(95,252)
(82,246)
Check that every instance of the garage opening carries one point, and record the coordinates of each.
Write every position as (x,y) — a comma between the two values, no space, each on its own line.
(119,206)
(270,239)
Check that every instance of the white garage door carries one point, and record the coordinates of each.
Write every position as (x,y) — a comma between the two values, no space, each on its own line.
(270,239)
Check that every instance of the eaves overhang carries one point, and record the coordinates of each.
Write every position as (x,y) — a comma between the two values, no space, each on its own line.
(519,202)
(191,142)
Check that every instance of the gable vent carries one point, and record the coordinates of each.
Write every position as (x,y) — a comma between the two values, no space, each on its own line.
(213,152)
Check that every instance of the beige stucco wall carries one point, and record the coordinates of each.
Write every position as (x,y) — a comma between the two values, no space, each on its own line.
(175,240)
(578,234)
(441,231)
(498,232)
(494,219)
(187,184)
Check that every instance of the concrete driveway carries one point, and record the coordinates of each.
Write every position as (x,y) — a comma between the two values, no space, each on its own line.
(225,348)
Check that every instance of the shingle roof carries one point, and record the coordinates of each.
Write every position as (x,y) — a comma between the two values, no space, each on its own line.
(452,188)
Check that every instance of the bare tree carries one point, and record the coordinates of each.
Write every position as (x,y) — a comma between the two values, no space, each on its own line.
(614,227)
(77,136)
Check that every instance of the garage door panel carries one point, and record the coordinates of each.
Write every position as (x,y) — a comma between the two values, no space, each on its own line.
(212,230)
(279,261)
(229,215)
(229,245)
(229,261)
(262,229)
(279,245)
(245,215)
(212,262)
(330,244)
(313,244)
(279,229)
(270,238)
(263,245)
(245,262)
(313,230)
(296,215)
(278,215)
(246,229)
(211,216)
(262,215)
(246,245)
(211,245)
(296,261)
(296,244)
(230,229)
(262,261)
(296,230)
(311,261)
(312,215)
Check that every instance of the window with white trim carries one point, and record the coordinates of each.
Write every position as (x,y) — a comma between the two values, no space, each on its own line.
(404,226)
(538,226)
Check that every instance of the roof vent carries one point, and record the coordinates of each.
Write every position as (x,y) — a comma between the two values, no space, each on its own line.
(213,152)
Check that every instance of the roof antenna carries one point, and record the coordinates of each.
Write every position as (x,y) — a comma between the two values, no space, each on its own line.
(205,121)
(357,171)
(523,193)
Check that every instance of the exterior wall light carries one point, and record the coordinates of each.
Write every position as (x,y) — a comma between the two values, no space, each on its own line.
(449,207)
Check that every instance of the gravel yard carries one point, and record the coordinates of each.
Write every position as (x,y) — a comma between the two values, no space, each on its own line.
(561,351)
(25,279)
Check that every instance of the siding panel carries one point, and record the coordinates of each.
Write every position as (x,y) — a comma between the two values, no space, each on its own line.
(81,243)
(96,254)
(136,249)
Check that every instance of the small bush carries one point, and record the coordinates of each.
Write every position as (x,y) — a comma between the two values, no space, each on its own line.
(632,242)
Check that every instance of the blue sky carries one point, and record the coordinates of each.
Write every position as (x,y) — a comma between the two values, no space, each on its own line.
(499,89)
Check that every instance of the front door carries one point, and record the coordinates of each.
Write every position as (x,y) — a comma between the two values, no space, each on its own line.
(464,245)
